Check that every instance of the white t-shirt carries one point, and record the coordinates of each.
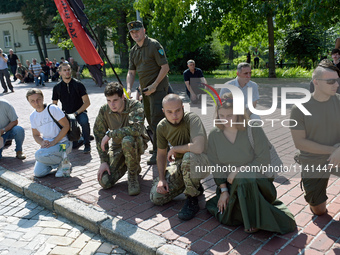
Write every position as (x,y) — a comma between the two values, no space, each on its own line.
(43,122)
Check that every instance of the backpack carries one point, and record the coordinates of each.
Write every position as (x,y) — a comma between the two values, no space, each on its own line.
(74,132)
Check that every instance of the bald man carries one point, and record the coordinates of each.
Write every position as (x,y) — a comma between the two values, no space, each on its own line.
(186,135)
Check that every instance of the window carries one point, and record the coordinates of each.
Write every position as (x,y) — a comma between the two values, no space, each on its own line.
(7,39)
(31,38)
(48,38)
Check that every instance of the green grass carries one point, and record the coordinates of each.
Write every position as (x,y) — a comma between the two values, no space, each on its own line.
(292,72)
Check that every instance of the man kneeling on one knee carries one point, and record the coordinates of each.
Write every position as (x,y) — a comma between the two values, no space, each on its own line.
(122,121)
(185,133)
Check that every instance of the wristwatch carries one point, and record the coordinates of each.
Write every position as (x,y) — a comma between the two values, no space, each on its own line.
(107,133)
(224,190)
(76,113)
(4,130)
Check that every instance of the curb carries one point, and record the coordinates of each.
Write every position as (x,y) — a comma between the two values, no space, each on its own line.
(130,237)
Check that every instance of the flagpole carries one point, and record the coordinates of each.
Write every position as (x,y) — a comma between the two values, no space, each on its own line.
(101,48)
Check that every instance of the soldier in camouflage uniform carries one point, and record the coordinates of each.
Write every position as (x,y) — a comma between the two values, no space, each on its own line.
(121,120)
(185,133)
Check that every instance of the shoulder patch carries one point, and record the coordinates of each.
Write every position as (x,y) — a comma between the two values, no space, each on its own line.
(161,51)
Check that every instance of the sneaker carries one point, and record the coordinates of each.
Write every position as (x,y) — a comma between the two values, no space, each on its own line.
(91,137)
(87,149)
(133,185)
(20,155)
(43,85)
(152,160)
(5,91)
(189,209)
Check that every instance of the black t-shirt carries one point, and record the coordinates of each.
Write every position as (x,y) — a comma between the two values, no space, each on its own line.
(12,59)
(45,69)
(70,95)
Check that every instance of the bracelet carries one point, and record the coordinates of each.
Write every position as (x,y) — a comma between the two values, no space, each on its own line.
(224,190)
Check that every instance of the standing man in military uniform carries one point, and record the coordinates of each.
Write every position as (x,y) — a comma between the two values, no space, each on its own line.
(148,59)
(185,133)
(121,120)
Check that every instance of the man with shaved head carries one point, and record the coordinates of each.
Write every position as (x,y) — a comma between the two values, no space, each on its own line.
(317,136)
(185,134)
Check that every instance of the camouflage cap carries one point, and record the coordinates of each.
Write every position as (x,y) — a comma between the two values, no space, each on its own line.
(135,25)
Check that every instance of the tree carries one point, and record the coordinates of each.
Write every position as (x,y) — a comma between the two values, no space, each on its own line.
(37,16)
(182,27)
(108,19)
(303,43)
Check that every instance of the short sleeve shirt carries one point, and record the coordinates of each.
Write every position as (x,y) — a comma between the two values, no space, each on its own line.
(70,95)
(3,64)
(323,126)
(147,61)
(181,134)
(12,59)
(250,84)
(197,74)
(7,113)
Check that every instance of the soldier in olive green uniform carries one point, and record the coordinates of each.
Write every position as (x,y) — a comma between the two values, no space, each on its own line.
(121,120)
(317,136)
(186,135)
(147,58)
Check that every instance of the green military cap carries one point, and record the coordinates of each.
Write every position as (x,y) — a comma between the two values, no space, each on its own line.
(135,25)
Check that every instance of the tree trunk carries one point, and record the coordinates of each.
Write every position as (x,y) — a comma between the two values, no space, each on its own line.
(271,45)
(44,44)
(36,38)
(67,54)
(122,47)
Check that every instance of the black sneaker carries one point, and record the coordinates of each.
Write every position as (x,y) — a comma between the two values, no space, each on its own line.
(87,149)
(91,137)
(189,209)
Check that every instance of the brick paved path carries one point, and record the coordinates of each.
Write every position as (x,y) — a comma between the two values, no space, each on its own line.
(203,234)
(27,228)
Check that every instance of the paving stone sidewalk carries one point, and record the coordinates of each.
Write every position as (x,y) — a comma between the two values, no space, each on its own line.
(203,234)
(27,228)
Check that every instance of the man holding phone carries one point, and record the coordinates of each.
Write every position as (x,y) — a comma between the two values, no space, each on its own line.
(4,72)
(148,59)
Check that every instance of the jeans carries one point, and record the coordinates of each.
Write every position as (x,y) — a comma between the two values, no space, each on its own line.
(5,73)
(49,158)
(18,134)
(83,121)
(14,70)
(42,78)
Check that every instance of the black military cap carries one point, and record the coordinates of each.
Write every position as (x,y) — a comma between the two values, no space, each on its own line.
(135,25)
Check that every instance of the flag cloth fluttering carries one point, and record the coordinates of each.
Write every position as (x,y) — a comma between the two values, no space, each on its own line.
(75,21)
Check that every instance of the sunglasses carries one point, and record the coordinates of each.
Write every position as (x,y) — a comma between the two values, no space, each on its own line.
(331,81)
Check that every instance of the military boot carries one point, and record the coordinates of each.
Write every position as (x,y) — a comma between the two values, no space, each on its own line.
(133,184)
(189,209)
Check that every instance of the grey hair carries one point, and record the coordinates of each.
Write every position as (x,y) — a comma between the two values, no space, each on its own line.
(242,65)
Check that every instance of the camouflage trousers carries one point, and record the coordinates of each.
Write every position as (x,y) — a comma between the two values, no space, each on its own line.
(181,178)
(123,159)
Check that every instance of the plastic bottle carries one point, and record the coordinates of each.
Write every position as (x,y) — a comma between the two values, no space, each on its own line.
(65,165)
